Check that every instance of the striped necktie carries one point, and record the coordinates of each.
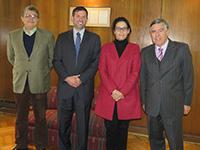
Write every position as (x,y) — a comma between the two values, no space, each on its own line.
(160,54)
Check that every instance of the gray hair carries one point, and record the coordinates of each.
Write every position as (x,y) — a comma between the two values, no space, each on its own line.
(159,20)
(31,8)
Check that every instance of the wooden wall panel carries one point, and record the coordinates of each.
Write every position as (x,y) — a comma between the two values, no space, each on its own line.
(53,17)
(139,13)
(10,12)
(104,32)
(91,3)
(183,17)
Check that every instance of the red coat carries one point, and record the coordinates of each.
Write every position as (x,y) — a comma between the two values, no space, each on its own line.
(120,73)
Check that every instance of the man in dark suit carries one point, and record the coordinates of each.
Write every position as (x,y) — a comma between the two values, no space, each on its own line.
(76,61)
(30,51)
(166,86)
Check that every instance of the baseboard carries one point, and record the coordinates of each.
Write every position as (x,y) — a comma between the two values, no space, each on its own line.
(191,138)
(143,130)
(137,129)
(7,106)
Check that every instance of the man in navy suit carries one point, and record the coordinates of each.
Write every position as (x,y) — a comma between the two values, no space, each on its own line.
(166,86)
(76,62)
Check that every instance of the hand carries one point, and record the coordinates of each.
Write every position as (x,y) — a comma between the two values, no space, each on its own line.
(78,80)
(73,81)
(187,109)
(143,106)
(117,95)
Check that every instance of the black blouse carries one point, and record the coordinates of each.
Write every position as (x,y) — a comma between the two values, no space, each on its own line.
(120,46)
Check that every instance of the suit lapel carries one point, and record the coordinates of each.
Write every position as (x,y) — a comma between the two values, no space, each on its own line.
(83,47)
(38,39)
(70,43)
(114,51)
(70,46)
(166,63)
(161,68)
(152,57)
(84,41)
(154,61)
(21,42)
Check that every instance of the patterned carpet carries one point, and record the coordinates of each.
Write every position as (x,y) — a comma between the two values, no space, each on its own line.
(7,140)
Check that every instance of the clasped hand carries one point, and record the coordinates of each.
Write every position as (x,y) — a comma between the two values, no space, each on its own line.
(73,81)
(117,95)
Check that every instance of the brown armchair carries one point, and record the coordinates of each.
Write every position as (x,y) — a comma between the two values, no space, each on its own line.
(96,135)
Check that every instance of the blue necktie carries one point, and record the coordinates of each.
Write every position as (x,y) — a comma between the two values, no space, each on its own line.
(77,44)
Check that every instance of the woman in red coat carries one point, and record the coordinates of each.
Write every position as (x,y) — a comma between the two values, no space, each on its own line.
(118,100)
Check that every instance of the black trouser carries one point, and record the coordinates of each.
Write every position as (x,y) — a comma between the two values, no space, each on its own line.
(116,132)
(39,103)
(173,130)
(66,109)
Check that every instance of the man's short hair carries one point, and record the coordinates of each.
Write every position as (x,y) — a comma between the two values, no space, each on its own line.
(79,8)
(159,20)
(31,8)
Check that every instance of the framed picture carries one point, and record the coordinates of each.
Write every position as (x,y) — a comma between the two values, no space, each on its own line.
(97,16)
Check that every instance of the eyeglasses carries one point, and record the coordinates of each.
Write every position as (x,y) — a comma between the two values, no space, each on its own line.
(32,16)
(121,29)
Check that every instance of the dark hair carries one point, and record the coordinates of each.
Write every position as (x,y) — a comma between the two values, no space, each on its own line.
(79,8)
(31,8)
(159,20)
(118,20)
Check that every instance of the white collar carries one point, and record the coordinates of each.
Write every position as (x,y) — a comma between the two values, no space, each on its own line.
(30,32)
(164,46)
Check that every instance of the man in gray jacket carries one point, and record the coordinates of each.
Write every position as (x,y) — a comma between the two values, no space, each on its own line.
(166,86)
(30,51)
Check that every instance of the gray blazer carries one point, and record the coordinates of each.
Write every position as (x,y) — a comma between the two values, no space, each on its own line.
(166,86)
(64,62)
(36,67)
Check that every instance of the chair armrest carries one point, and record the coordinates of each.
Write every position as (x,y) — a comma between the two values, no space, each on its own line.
(52,98)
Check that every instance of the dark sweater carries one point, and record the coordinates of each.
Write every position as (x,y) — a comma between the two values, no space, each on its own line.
(120,46)
(28,42)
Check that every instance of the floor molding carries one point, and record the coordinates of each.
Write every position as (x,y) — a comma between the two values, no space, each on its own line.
(7,106)
(143,131)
